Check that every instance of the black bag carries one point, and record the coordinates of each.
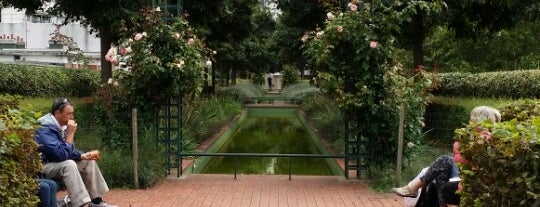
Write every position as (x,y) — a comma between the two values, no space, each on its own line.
(428,197)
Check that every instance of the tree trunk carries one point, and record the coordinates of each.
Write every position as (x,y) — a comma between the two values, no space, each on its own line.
(418,40)
(233,76)
(105,44)
(214,78)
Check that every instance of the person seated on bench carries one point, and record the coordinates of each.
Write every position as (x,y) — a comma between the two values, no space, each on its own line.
(47,192)
(444,167)
(78,171)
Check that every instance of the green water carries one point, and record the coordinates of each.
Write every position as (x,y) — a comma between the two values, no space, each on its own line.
(276,135)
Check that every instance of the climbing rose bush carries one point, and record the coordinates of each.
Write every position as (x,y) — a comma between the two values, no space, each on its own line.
(356,49)
(160,61)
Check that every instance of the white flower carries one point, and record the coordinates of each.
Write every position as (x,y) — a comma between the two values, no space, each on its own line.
(110,81)
(158,9)
(191,41)
(330,16)
(208,63)
(214,52)
(115,84)
(176,35)
(138,37)
(410,145)
(144,34)
(319,34)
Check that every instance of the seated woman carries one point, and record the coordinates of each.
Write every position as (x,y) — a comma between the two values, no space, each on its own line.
(444,167)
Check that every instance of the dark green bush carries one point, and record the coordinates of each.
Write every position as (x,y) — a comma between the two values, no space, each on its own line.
(441,120)
(507,84)
(47,81)
(19,158)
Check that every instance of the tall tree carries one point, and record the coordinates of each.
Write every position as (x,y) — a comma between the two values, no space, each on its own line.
(224,24)
(298,17)
(104,17)
(468,18)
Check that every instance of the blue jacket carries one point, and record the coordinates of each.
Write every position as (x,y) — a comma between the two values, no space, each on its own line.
(51,144)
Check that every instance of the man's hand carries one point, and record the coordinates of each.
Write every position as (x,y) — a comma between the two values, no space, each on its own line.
(71,128)
(92,155)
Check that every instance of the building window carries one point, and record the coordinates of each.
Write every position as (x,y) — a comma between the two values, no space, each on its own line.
(40,18)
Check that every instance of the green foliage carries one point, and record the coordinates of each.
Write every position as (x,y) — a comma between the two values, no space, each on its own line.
(290,75)
(323,113)
(117,165)
(47,81)
(487,52)
(441,119)
(355,49)
(20,161)
(299,91)
(504,84)
(166,61)
(503,167)
(520,110)
(244,91)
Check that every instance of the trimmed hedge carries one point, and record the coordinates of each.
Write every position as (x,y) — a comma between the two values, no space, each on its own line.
(507,84)
(47,81)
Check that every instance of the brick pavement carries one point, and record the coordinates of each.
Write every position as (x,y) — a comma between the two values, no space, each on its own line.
(254,190)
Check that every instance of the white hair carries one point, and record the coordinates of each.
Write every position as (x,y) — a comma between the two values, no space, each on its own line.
(481,113)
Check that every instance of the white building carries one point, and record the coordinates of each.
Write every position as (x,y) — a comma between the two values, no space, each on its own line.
(29,39)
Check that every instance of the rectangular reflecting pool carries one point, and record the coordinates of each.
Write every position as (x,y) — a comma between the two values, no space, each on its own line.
(269,131)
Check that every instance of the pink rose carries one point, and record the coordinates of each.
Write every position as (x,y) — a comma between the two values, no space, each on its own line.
(373,44)
(138,37)
(330,16)
(123,51)
(114,61)
(486,135)
(353,7)
(340,29)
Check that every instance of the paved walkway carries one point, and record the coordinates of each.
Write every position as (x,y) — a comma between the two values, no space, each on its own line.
(254,190)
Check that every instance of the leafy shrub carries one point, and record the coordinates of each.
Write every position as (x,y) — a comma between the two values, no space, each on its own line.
(290,75)
(20,162)
(508,84)
(151,163)
(245,92)
(503,167)
(47,81)
(326,118)
(299,91)
(520,110)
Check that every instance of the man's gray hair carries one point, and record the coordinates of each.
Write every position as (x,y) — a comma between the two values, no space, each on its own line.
(481,113)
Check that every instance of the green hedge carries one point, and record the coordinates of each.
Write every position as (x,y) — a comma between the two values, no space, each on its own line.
(503,167)
(507,84)
(47,81)
(19,158)
(441,120)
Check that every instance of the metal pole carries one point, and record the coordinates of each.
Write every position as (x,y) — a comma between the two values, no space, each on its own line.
(400,144)
(235,167)
(290,167)
(135,148)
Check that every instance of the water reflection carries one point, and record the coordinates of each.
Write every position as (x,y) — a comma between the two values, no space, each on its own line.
(270,135)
